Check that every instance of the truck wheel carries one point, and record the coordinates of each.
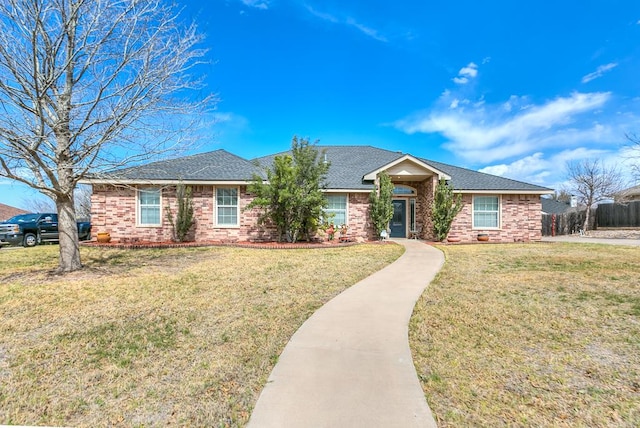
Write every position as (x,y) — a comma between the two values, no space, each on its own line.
(30,240)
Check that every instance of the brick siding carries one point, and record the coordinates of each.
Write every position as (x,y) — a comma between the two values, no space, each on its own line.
(521,220)
(114,211)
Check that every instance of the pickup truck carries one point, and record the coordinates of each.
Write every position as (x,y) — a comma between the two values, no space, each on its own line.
(32,229)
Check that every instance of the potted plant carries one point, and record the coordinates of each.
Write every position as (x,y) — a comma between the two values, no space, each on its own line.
(331,231)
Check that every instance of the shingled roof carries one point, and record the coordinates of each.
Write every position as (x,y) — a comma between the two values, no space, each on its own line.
(467,180)
(218,165)
(349,164)
(7,211)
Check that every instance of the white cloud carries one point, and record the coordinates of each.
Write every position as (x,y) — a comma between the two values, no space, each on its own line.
(374,34)
(258,4)
(470,70)
(466,74)
(495,132)
(324,16)
(349,21)
(454,103)
(599,72)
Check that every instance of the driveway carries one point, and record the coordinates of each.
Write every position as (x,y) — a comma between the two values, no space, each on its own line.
(590,240)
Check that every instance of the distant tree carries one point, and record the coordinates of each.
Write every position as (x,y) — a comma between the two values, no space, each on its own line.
(44,204)
(184,220)
(634,139)
(292,199)
(381,203)
(444,209)
(592,182)
(562,196)
(39,205)
(87,86)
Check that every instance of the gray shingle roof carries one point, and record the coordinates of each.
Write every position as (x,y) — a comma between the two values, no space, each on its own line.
(551,206)
(349,164)
(466,180)
(218,165)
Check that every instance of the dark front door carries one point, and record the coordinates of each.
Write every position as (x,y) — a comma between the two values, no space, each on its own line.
(398,224)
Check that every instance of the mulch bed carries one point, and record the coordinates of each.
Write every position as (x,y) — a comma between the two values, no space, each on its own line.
(241,244)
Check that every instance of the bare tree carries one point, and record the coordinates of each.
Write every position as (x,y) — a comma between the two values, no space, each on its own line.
(634,139)
(592,182)
(44,204)
(89,86)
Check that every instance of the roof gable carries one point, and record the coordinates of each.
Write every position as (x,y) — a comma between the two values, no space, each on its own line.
(407,167)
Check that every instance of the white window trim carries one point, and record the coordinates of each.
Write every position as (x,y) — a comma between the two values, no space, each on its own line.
(215,208)
(473,212)
(346,208)
(139,207)
(413,213)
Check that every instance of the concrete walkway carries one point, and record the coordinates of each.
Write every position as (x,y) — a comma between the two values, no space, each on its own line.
(349,365)
(588,240)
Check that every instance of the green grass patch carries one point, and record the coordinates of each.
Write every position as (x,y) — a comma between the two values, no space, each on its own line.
(183,336)
(531,335)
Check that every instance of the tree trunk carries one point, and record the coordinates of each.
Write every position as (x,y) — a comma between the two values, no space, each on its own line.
(587,217)
(68,235)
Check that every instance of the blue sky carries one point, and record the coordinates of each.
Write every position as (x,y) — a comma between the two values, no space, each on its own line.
(511,88)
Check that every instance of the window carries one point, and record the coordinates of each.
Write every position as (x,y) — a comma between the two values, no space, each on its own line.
(227,206)
(337,205)
(402,190)
(149,207)
(486,212)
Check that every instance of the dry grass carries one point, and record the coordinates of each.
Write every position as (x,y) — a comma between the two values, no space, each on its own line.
(532,335)
(157,337)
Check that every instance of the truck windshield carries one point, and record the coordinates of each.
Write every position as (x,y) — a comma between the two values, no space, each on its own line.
(23,218)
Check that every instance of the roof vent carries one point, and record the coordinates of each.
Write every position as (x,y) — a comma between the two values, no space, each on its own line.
(325,158)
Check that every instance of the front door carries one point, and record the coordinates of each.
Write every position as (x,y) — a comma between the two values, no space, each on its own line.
(398,224)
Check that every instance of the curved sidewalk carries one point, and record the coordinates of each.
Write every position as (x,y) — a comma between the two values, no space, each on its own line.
(349,364)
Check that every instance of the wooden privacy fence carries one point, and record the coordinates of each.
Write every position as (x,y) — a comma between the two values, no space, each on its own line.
(618,215)
(562,224)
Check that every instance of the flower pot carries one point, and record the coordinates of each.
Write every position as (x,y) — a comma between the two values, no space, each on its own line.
(453,239)
(483,236)
(103,237)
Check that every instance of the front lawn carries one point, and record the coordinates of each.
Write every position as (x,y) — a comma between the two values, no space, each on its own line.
(181,337)
(532,335)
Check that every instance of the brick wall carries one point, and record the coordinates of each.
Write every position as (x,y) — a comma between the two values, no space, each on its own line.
(359,222)
(521,220)
(113,210)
